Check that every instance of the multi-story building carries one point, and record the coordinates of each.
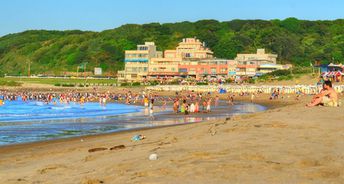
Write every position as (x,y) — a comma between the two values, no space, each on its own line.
(203,68)
(163,68)
(192,59)
(248,69)
(248,64)
(136,62)
(267,68)
(190,48)
(232,66)
(259,58)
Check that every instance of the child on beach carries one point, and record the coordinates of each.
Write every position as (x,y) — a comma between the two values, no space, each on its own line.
(204,105)
(187,106)
(175,106)
(216,100)
(182,108)
(151,108)
(192,107)
(196,107)
(145,101)
(208,105)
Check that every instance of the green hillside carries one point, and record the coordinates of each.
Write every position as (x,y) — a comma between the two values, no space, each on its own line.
(296,41)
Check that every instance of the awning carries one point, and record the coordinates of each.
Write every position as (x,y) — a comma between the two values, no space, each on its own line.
(333,73)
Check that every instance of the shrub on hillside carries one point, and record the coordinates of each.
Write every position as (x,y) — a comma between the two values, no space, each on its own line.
(136,84)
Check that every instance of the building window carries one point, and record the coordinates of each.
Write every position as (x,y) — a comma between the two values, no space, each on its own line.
(187,55)
(213,70)
(143,48)
(173,69)
(183,70)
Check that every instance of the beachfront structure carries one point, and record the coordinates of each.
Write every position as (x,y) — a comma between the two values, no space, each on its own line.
(192,59)
(163,68)
(267,68)
(257,58)
(137,61)
(199,69)
(190,48)
(334,72)
(232,67)
(257,64)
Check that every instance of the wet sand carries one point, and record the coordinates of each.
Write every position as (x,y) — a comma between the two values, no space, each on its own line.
(286,144)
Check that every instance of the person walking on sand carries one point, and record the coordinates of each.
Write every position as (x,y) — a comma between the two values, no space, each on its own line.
(252,97)
(230,100)
(151,110)
(327,96)
(216,100)
(208,105)
(176,106)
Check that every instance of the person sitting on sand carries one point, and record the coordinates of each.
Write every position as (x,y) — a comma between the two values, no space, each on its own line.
(327,96)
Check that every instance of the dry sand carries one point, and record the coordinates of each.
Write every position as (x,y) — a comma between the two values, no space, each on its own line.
(290,144)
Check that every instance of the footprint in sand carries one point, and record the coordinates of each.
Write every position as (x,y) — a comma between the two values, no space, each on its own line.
(92,181)
(324,173)
(50,168)
(309,163)
(96,149)
(89,158)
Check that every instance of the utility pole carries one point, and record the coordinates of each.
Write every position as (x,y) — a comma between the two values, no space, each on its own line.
(29,68)
(85,74)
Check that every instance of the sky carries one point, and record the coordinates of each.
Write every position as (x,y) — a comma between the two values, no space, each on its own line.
(97,15)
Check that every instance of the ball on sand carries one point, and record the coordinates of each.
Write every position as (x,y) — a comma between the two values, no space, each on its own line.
(153,156)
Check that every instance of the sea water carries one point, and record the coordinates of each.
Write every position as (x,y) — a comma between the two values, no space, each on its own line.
(22,122)
(34,121)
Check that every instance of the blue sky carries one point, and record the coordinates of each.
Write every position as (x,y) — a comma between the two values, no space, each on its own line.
(97,15)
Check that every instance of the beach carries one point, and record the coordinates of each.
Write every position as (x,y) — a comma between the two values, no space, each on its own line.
(286,144)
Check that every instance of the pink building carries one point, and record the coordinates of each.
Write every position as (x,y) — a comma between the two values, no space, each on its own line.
(203,68)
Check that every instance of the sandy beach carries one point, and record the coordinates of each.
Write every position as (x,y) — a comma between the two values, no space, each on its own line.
(285,144)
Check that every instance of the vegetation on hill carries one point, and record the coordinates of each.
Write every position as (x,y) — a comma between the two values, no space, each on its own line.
(298,42)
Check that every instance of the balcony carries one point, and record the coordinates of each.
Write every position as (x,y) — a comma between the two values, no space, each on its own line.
(136,60)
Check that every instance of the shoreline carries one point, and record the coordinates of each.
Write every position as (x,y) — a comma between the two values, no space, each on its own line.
(279,144)
(169,116)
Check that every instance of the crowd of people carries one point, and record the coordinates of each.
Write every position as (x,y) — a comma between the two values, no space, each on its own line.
(182,103)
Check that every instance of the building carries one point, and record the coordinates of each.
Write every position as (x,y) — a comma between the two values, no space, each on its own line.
(258,58)
(136,62)
(199,69)
(248,69)
(163,68)
(190,48)
(192,59)
(267,68)
(232,66)
(257,64)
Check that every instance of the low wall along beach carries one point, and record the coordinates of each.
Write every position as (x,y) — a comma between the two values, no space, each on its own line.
(305,89)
